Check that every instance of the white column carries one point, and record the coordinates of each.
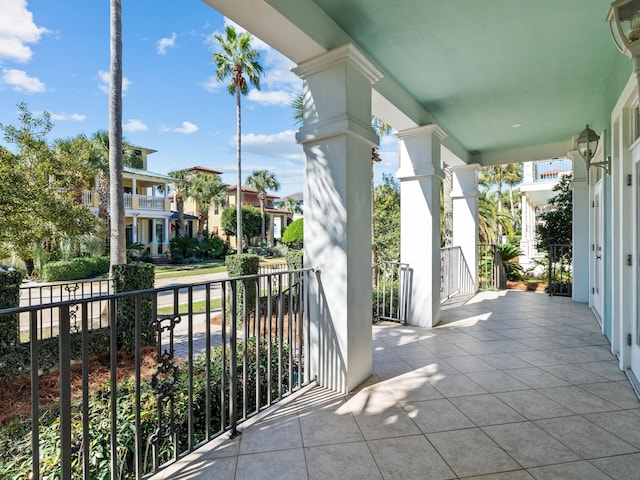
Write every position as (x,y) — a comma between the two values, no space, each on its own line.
(154,238)
(420,174)
(165,231)
(580,230)
(465,215)
(134,229)
(134,188)
(337,138)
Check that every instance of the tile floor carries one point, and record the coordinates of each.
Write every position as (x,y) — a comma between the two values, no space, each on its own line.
(512,385)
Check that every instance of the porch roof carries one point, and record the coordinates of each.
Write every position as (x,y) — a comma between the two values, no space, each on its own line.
(475,68)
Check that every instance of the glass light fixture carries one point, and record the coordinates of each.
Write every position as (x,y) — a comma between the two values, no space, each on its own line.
(624,21)
(587,143)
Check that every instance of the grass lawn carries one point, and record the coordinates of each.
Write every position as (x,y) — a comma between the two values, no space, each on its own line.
(166,271)
(198,307)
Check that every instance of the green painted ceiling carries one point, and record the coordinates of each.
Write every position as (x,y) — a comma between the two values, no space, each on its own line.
(480,66)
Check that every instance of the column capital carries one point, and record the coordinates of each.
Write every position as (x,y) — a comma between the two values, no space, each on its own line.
(580,170)
(345,54)
(465,181)
(423,130)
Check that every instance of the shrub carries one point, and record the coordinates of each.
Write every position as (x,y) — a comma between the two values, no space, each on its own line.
(182,247)
(10,281)
(213,247)
(294,234)
(240,265)
(15,437)
(127,278)
(294,259)
(75,269)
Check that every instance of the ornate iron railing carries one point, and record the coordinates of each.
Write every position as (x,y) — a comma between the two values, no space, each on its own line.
(207,369)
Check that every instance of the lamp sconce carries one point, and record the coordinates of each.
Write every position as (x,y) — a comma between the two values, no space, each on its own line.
(587,144)
(624,22)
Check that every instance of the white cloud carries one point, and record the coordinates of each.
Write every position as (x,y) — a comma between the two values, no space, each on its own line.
(17,30)
(67,117)
(103,78)
(134,125)
(211,84)
(278,145)
(274,97)
(186,128)
(22,82)
(166,43)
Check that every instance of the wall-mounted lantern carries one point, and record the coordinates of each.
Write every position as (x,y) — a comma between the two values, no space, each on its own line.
(587,143)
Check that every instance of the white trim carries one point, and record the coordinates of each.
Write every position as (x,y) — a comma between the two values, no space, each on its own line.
(345,54)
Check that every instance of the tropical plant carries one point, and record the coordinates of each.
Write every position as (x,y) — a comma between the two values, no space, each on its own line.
(291,205)
(116,190)
(491,221)
(205,190)
(263,180)
(509,254)
(238,62)
(499,175)
(180,180)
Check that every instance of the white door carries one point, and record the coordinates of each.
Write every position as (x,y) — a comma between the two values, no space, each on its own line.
(597,288)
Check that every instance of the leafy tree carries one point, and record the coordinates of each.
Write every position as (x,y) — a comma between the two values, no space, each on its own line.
(251,220)
(492,221)
(118,238)
(37,198)
(499,175)
(556,226)
(386,220)
(238,62)
(263,180)
(205,190)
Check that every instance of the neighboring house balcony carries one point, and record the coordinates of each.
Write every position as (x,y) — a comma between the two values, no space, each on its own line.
(537,188)
(131,201)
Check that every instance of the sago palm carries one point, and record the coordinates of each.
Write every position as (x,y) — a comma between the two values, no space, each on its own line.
(239,63)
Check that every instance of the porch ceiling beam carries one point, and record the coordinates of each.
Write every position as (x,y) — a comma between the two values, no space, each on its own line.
(525,154)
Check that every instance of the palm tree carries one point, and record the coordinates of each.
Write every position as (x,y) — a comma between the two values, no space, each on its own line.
(291,205)
(235,60)
(263,180)
(118,238)
(100,162)
(513,177)
(179,187)
(205,190)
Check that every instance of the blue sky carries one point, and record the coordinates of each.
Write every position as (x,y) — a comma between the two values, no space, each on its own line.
(54,55)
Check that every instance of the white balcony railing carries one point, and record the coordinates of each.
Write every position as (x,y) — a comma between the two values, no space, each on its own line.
(87,197)
(151,203)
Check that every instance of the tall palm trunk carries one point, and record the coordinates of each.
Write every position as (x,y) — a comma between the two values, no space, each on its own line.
(499,239)
(180,207)
(263,237)
(118,246)
(239,189)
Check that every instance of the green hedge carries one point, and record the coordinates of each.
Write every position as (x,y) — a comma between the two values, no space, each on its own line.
(238,266)
(128,278)
(75,269)
(10,281)
(294,259)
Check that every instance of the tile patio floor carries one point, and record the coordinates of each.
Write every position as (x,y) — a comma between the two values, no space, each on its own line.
(512,385)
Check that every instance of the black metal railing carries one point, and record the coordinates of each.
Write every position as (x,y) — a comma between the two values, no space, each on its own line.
(455,275)
(560,272)
(391,287)
(201,375)
(49,294)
